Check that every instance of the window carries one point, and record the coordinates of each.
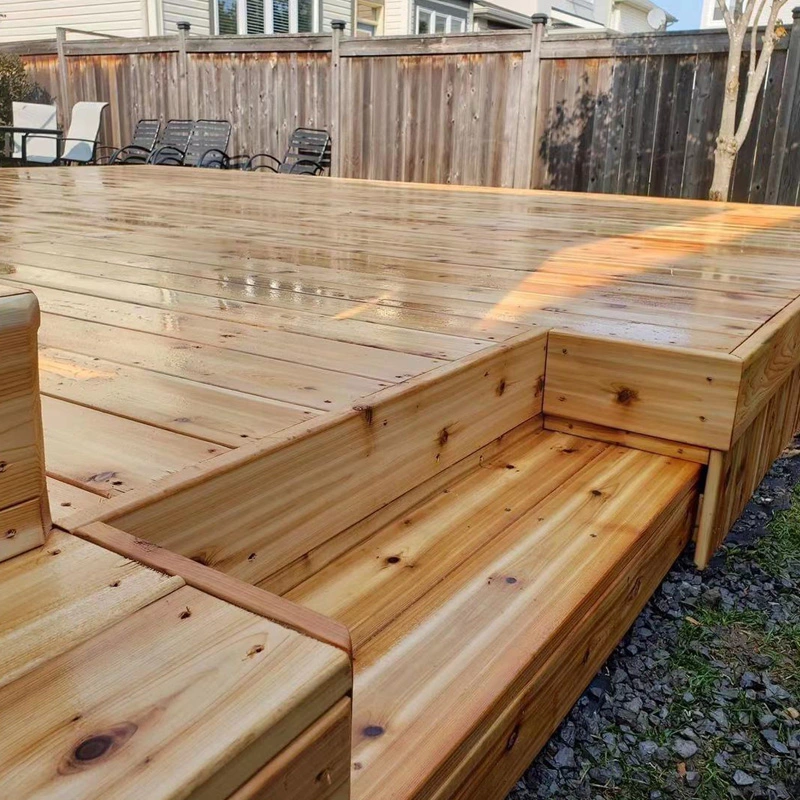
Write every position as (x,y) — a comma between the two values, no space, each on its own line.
(369,19)
(435,17)
(226,17)
(265,16)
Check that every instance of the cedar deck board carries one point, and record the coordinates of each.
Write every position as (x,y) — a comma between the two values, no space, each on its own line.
(369,295)
(330,290)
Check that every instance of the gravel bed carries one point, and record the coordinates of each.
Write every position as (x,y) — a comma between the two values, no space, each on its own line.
(701,698)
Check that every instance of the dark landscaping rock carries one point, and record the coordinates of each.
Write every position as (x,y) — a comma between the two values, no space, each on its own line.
(741,778)
(684,748)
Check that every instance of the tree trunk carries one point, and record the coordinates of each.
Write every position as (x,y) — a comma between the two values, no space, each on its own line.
(724,159)
(727,146)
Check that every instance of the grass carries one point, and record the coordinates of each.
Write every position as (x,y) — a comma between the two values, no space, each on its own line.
(778,553)
(715,648)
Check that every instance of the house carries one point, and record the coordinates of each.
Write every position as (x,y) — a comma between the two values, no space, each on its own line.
(457,16)
(38,19)
(711,14)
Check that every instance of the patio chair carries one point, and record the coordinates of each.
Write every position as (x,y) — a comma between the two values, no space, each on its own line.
(309,153)
(31,118)
(205,147)
(80,144)
(145,135)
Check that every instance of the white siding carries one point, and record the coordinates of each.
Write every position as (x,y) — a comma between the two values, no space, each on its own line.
(194,11)
(630,20)
(37,19)
(397,17)
(337,9)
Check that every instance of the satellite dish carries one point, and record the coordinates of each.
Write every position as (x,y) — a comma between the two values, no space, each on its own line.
(657,19)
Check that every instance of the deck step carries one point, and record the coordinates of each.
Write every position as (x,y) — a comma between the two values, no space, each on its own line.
(479,615)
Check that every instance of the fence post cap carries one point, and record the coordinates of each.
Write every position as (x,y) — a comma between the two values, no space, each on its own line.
(539,19)
(338,24)
(183,25)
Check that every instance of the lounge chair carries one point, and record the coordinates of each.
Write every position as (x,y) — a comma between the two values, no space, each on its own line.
(205,147)
(145,136)
(79,146)
(309,153)
(30,118)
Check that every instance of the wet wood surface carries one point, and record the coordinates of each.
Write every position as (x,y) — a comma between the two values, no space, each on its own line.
(170,692)
(196,312)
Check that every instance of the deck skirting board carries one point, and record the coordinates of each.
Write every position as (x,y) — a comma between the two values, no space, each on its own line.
(665,392)
(734,475)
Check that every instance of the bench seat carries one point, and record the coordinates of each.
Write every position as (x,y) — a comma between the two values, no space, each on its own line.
(480,614)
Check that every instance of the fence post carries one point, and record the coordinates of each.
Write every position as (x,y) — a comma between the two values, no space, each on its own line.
(788,92)
(64,103)
(336,99)
(183,69)
(528,105)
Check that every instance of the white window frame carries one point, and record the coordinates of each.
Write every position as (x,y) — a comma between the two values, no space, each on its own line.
(375,24)
(448,25)
(241,17)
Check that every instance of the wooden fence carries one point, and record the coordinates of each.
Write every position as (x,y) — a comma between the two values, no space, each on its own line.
(586,112)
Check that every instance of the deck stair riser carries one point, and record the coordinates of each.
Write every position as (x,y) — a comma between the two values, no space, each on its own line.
(295,493)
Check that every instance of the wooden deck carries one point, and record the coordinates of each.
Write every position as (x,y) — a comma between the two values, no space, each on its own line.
(300,384)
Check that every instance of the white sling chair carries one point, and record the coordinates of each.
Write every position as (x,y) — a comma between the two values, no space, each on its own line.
(81,140)
(39,149)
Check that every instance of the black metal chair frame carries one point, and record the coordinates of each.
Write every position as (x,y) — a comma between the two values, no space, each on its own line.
(298,166)
(24,133)
(212,157)
(145,136)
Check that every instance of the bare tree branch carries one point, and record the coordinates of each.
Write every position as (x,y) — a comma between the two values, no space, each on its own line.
(726,15)
(754,38)
(755,79)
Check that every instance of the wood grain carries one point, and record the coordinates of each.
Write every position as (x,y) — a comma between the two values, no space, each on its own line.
(24,510)
(770,355)
(738,472)
(218,584)
(315,560)
(458,685)
(372,584)
(315,766)
(51,598)
(154,691)
(684,396)
(637,441)
(370,455)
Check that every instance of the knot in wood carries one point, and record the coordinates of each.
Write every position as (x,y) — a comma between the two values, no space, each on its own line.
(93,747)
(626,395)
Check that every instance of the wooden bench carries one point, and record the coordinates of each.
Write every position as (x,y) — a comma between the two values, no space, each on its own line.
(480,612)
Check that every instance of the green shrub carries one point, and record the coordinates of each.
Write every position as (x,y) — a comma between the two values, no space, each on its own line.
(16,85)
